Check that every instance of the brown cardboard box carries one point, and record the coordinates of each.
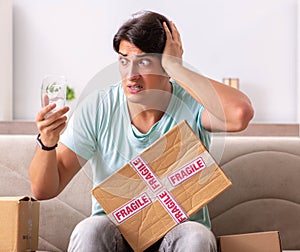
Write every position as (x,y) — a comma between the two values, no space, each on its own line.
(252,242)
(168,182)
(19,218)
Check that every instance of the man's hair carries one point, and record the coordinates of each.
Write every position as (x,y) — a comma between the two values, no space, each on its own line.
(145,31)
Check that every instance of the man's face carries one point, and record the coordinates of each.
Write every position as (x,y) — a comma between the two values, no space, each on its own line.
(142,74)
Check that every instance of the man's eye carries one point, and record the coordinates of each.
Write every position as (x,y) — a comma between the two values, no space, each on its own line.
(144,62)
(123,61)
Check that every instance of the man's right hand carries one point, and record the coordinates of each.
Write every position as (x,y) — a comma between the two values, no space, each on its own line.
(50,124)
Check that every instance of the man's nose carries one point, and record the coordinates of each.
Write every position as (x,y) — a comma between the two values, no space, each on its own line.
(133,72)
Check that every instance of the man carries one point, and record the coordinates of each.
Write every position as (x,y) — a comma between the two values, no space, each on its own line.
(156,92)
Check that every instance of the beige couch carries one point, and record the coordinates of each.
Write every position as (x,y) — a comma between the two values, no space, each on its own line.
(265,172)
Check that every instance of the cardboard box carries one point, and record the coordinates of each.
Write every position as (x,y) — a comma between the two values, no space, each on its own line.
(163,186)
(252,242)
(19,218)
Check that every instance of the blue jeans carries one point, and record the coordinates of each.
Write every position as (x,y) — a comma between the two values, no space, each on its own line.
(98,233)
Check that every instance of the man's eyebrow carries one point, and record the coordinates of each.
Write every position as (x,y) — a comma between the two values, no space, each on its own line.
(137,55)
(123,54)
(142,55)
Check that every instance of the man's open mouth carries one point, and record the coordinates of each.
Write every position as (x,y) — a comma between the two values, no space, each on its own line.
(135,86)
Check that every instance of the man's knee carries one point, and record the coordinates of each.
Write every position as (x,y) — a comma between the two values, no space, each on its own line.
(93,225)
(92,232)
(192,235)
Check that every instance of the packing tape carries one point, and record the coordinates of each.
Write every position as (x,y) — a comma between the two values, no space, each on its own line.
(159,189)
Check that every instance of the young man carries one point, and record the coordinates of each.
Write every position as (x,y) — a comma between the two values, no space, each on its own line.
(156,92)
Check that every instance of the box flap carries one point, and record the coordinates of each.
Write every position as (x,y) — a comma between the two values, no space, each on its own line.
(251,242)
(17,198)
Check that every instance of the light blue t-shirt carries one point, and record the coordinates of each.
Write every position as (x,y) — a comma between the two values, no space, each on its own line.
(100,131)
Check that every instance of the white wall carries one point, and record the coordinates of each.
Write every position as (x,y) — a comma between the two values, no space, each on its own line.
(6,93)
(252,40)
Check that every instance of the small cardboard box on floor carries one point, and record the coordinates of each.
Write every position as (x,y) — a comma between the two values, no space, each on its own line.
(19,218)
(167,183)
(251,242)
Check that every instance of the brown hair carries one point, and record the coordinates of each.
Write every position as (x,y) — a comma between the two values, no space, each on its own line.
(144,30)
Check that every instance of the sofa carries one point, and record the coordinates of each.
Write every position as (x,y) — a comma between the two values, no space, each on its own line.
(265,173)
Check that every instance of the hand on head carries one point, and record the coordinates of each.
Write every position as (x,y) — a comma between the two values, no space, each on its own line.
(173,49)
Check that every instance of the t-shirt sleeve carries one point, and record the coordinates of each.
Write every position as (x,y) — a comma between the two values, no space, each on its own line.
(204,135)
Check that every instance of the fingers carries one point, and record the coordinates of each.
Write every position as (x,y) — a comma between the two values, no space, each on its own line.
(45,100)
(175,35)
(49,125)
(175,32)
(173,45)
(46,110)
(53,124)
(173,38)
(167,30)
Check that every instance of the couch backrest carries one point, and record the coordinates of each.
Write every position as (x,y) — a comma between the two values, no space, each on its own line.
(265,173)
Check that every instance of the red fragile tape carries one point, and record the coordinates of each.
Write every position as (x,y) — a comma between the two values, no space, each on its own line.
(158,189)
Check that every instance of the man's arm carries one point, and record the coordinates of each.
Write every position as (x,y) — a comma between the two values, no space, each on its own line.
(226,108)
(51,171)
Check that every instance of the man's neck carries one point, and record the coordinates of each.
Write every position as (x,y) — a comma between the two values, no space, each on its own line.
(146,119)
(144,116)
